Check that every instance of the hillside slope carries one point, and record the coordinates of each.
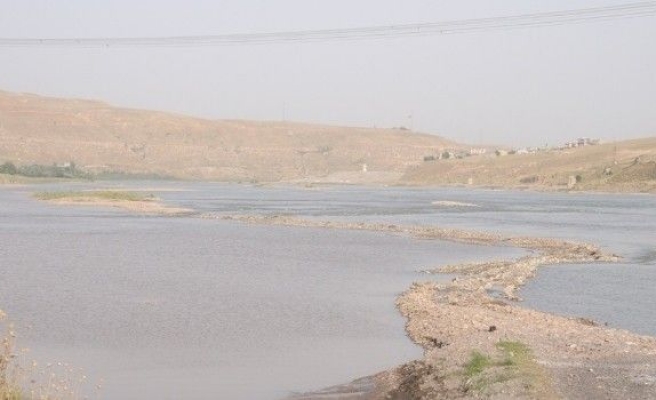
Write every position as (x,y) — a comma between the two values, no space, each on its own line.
(98,137)
(628,166)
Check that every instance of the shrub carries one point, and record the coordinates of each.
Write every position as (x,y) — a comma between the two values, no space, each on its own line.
(8,168)
(529,179)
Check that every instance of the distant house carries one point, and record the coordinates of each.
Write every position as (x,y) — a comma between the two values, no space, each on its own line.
(526,150)
(583,141)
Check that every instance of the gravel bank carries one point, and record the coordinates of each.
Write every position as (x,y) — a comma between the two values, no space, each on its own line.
(478,317)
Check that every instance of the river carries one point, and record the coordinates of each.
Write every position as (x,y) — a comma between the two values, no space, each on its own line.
(184,307)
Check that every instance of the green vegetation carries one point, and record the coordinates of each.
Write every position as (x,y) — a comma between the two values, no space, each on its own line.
(475,376)
(111,195)
(70,171)
(518,358)
(476,364)
(8,168)
(516,353)
(513,362)
(475,379)
(115,175)
(65,170)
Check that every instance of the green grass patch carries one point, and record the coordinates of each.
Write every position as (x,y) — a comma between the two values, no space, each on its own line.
(476,376)
(520,364)
(476,364)
(512,363)
(113,195)
(515,353)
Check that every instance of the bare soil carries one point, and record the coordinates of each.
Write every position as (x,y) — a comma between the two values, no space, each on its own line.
(626,166)
(100,138)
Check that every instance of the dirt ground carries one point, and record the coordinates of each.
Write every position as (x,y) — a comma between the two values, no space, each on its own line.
(627,166)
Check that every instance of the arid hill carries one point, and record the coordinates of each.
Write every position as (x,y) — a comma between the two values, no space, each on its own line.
(628,166)
(97,137)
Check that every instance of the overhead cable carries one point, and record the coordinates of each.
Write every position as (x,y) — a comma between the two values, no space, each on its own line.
(565,17)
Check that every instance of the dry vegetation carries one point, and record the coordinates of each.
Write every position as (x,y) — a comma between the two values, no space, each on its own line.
(9,381)
(131,201)
(628,166)
(19,180)
(112,195)
(23,380)
(100,138)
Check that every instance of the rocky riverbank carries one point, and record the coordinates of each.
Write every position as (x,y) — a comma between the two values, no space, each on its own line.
(479,342)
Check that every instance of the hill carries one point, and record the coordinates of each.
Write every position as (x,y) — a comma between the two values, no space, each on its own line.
(99,138)
(627,166)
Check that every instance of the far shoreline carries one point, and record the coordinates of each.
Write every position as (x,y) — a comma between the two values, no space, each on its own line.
(317,182)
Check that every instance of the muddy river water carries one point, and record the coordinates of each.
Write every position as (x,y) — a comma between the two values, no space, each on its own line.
(185,307)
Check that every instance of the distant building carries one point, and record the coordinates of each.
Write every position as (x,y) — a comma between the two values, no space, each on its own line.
(526,150)
(584,141)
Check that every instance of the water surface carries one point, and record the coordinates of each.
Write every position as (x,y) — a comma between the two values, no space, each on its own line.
(192,308)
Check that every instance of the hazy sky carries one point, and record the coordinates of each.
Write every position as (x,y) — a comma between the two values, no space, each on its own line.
(517,87)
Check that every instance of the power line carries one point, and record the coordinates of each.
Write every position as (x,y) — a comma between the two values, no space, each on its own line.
(565,17)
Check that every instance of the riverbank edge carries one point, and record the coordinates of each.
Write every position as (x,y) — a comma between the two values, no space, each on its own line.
(642,188)
(479,312)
